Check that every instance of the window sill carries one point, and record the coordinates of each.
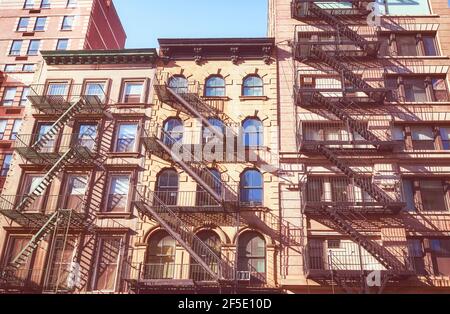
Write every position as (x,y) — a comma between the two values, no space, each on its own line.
(124,105)
(249,98)
(224,98)
(114,215)
(124,155)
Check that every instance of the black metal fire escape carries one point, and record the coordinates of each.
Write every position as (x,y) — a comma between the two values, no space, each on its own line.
(53,152)
(339,57)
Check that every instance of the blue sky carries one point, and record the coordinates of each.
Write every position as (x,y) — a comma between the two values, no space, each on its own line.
(147,20)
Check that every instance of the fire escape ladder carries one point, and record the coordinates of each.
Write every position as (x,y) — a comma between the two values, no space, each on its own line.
(364,183)
(340,67)
(384,257)
(198,108)
(198,250)
(344,30)
(59,124)
(47,180)
(31,246)
(199,171)
(338,111)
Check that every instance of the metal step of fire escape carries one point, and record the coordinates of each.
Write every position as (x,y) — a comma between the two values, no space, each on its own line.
(356,81)
(384,257)
(31,246)
(197,107)
(338,111)
(199,251)
(364,183)
(344,30)
(201,173)
(59,166)
(59,124)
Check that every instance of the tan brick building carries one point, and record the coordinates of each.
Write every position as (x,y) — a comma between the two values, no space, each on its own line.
(363,114)
(28,26)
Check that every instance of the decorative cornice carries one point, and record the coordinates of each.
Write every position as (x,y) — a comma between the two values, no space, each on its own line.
(125,56)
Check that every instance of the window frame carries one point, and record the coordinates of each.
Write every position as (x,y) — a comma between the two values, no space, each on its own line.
(247,88)
(127,209)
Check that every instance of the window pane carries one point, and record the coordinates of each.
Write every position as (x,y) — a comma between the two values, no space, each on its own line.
(433,196)
(407,45)
(108,262)
(429,43)
(126,138)
(402,7)
(133,92)
(415,90)
(445,135)
(118,194)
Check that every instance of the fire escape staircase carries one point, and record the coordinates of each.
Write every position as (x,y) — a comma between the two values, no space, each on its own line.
(197,169)
(199,251)
(68,115)
(339,110)
(360,84)
(391,262)
(378,194)
(31,246)
(343,29)
(59,166)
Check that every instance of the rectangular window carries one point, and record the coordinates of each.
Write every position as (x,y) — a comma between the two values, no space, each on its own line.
(50,145)
(30,184)
(28,68)
(40,23)
(62,272)
(96,89)
(16,47)
(422,138)
(408,188)
(3,124)
(402,7)
(415,90)
(75,190)
(126,138)
(8,96)
(71,3)
(107,263)
(119,189)
(6,164)
(33,47)
(58,89)
(67,23)
(430,45)
(417,253)
(24,96)
(11,68)
(440,92)
(23,24)
(433,196)
(45,4)
(62,44)
(29,4)
(133,92)
(15,130)
(15,245)
(445,137)
(406,45)
(440,256)
(87,135)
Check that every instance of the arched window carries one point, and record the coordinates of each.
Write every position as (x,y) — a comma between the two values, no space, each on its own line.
(213,178)
(253,86)
(253,133)
(217,125)
(252,257)
(215,86)
(160,263)
(212,240)
(251,190)
(172,131)
(167,188)
(179,84)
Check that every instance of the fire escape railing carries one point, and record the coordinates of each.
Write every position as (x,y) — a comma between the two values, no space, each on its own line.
(341,203)
(216,265)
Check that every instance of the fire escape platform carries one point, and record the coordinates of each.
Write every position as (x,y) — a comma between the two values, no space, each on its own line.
(369,208)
